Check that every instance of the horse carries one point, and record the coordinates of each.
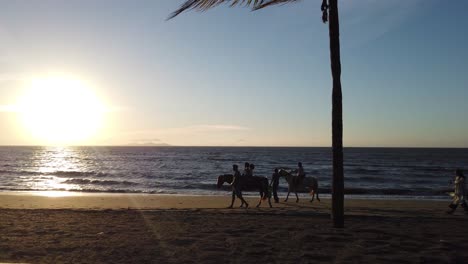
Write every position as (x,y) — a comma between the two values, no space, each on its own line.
(310,183)
(252,183)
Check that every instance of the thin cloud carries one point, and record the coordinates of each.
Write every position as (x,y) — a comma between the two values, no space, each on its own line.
(195,133)
(217,128)
(189,129)
(148,142)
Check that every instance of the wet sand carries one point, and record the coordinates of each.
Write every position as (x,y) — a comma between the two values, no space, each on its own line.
(99,228)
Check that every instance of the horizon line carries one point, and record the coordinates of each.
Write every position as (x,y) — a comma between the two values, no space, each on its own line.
(228,146)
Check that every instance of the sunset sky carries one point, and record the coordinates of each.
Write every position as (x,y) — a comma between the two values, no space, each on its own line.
(233,77)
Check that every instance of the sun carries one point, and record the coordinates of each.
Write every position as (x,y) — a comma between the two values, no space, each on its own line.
(62,111)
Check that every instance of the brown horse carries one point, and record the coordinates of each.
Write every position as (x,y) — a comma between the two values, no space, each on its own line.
(252,183)
(308,184)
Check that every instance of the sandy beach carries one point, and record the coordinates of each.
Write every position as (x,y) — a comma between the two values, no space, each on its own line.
(114,228)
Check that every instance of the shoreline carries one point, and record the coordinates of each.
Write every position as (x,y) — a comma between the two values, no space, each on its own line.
(225,192)
(104,201)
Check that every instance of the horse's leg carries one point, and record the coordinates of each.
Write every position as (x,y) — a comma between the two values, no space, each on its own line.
(316,193)
(287,196)
(244,202)
(268,194)
(261,197)
(313,193)
(295,192)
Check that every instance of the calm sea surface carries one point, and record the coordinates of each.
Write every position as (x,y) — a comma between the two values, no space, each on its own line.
(373,172)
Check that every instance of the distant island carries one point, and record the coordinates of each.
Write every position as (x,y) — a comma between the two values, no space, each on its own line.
(148,144)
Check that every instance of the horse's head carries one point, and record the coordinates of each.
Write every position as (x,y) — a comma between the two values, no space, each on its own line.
(220,181)
(223,178)
(283,173)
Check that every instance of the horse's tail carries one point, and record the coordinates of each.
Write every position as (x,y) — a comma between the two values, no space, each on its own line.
(314,186)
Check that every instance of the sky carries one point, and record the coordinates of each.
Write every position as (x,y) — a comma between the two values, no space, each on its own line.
(232,77)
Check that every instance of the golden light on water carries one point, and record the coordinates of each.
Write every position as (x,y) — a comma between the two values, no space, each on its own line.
(60,110)
(50,160)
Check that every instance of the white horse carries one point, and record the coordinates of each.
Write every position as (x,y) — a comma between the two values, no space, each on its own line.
(308,184)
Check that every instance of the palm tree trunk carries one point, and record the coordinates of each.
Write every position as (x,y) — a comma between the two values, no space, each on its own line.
(337,118)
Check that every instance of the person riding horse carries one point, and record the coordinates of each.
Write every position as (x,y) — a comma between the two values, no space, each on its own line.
(299,178)
(306,184)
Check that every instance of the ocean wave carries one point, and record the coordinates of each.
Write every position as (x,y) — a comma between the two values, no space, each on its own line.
(362,170)
(58,173)
(91,190)
(19,172)
(366,179)
(77,174)
(99,182)
(394,191)
(218,159)
(186,186)
(434,169)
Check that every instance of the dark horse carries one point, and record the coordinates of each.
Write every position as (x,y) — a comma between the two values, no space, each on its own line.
(252,183)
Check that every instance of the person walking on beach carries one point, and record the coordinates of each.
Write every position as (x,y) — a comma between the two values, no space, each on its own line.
(460,192)
(237,187)
(275,182)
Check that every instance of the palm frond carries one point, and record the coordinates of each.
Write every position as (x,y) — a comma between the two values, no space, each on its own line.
(203,5)
(273,2)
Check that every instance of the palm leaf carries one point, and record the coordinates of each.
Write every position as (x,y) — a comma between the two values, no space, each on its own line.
(273,2)
(203,5)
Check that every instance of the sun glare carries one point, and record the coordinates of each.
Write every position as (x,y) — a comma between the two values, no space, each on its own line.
(61,111)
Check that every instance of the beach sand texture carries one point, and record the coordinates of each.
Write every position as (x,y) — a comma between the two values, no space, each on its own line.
(198,229)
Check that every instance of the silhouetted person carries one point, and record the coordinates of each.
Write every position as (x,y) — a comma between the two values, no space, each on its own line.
(275,182)
(300,174)
(252,167)
(460,192)
(247,171)
(237,187)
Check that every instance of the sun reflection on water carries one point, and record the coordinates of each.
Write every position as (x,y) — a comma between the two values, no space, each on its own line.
(52,158)
(50,163)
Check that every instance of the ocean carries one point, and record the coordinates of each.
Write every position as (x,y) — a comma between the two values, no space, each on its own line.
(407,173)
